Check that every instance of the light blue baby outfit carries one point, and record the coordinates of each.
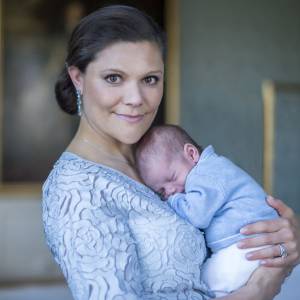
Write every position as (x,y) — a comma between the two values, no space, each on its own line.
(114,239)
(220,198)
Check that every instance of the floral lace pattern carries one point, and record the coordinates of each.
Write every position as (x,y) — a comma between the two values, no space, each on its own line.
(113,237)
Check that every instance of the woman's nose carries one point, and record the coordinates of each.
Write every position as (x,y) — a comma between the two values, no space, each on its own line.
(133,95)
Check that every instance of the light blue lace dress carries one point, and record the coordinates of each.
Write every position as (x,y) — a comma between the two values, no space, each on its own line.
(114,238)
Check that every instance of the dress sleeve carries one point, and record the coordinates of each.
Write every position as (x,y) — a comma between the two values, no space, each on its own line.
(92,246)
(90,239)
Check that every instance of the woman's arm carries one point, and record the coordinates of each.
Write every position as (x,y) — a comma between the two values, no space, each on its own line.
(284,230)
(264,284)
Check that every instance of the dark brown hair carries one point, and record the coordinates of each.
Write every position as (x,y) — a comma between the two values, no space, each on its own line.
(102,28)
(167,140)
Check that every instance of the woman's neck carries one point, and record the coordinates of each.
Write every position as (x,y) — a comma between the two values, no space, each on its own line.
(103,149)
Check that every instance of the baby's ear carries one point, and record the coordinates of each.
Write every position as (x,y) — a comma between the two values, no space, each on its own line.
(191,152)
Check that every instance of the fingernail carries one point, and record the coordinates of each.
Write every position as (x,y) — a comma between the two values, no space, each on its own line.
(244,230)
(249,255)
(240,244)
(262,262)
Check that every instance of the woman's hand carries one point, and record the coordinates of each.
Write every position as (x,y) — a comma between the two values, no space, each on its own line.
(284,230)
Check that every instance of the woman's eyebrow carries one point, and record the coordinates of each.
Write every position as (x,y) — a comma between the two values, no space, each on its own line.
(113,70)
(122,72)
(155,71)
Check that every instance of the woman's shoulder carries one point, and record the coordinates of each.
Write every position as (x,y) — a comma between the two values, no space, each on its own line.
(75,180)
(70,166)
(71,170)
(80,189)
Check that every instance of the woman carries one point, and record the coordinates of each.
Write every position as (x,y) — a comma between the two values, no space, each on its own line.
(112,236)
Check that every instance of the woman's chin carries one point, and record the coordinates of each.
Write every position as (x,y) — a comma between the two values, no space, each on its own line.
(131,140)
(133,135)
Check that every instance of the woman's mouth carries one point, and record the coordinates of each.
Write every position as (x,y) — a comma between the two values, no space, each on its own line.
(130,118)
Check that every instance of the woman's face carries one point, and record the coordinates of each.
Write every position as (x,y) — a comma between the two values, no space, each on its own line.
(122,89)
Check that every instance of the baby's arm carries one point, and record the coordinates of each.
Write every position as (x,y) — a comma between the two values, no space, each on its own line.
(201,200)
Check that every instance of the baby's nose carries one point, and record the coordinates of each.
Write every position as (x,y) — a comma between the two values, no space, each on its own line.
(170,190)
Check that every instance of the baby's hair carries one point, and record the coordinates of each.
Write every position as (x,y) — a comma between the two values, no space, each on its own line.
(167,140)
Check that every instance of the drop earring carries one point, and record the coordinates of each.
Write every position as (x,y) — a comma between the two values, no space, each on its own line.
(79,101)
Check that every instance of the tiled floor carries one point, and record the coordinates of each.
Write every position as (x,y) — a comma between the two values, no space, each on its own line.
(290,291)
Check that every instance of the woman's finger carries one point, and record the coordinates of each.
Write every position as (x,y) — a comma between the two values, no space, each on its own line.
(293,228)
(274,251)
(283,210)
(283,230)
(283,236)
(266,226)
(264,253)
(261,240)
(279,262)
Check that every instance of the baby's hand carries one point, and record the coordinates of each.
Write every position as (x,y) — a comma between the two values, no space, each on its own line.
(164,199)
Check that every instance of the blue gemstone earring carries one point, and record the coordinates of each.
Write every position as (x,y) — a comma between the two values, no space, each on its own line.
(78,102)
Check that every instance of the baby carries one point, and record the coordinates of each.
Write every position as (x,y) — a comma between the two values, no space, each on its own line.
(211,193)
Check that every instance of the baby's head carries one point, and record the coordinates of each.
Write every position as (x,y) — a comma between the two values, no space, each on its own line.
(164,157)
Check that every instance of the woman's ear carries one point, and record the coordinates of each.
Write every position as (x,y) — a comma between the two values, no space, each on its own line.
(76,77)
(191,152)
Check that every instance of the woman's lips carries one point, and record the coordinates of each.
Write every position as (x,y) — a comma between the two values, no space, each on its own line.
(130,118)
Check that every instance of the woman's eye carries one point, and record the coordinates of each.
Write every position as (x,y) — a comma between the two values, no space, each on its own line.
(151,80)
(113,78)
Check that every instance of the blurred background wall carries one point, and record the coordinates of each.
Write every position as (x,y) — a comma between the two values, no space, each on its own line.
(227,48)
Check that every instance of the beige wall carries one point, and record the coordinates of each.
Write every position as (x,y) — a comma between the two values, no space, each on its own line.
(24,255)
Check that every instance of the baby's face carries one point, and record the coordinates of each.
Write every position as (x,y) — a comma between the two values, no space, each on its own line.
(167,178)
